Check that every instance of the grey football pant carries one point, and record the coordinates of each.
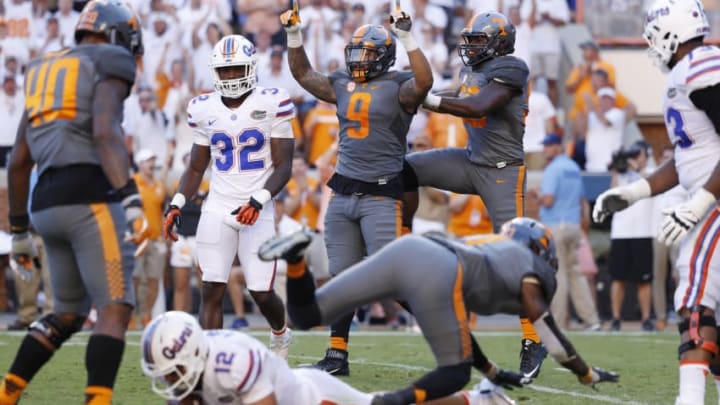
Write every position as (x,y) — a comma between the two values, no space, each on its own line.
(416,270)
(89,262)
(502,190)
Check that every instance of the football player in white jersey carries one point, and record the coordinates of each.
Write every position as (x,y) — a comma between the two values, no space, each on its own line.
(189,365)
(674,30)
(244,132)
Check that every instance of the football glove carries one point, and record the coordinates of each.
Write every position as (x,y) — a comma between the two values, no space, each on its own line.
(249,213)
(401,23)
(619,198)
(290,21)
(131,202)
(509,379)
(598,375)
(171,222)
(679,220)
(24,255)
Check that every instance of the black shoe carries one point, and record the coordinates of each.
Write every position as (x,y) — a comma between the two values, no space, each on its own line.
(648,325)
(289,247)
(334,363)
(615,325)
(531,357)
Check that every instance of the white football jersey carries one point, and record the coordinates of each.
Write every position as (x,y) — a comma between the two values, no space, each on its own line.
(239,141)
(241,370)
(697,144)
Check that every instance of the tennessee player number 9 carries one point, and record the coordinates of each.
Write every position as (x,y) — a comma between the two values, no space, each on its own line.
(359,111)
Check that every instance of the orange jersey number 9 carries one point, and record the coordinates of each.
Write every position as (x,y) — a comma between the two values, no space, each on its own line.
(51,90)
(359,110)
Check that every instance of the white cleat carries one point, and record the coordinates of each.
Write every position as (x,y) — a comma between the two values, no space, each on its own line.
(289,247)
(280,344)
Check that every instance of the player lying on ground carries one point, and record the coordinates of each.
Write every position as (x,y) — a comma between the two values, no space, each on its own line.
(441,279)
(189,366)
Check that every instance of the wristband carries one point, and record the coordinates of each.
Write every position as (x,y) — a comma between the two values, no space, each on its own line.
(262,196)
(408,42)
(432,100)
(19,223)
(178,200)
(128,189)
(638,190)
(294,39)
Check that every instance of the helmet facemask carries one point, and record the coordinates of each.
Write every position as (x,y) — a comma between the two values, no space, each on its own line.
(478,48)
(363,63)
(239,79)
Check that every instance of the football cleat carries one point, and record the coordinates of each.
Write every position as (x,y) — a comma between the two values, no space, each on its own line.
(531,357)
(334,363)
(289,247)
(487,393)
(280,344)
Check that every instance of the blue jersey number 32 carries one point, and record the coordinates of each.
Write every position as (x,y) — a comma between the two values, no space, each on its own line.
(675,119)
(247,142)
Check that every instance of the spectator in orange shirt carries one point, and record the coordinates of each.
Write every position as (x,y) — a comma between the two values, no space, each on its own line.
(578,82)
(446,131)
(321,128)
(468,216)
(303,201)
(150,261)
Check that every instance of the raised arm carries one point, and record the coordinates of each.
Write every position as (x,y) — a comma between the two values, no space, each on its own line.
(413,91)
(316,83)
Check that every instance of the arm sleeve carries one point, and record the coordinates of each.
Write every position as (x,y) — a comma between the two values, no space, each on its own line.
(115,62)
(708,100)
(510,72)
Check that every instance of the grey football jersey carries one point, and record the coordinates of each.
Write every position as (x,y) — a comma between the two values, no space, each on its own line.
(493,272)
(498,136)
(59,92)
(373,126)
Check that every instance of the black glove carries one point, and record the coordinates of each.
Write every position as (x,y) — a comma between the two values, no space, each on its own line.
(598,375)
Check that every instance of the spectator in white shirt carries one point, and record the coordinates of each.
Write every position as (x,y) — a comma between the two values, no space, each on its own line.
(603,128)
(202,45)
(67,18)
(545,46)
(12,47)
(523,32)
(149,128)
(11,109)
(540,121)
(53,40)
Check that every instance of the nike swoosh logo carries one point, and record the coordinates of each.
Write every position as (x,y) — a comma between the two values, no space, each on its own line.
(532,372)
(211,122)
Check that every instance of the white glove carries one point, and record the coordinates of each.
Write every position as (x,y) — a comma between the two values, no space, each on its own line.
(619,198)
(680,219)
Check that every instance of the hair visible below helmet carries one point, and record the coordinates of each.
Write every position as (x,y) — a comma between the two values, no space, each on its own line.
(534,235)
(670,23)
(369,40)
(174,351)
(114,20)
(499,32)
(232,51)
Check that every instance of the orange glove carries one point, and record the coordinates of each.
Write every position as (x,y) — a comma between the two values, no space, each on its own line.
(171,222)
(248,213)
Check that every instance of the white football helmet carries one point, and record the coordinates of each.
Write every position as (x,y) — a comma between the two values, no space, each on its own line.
(234,50)
(174,351)
(669,23)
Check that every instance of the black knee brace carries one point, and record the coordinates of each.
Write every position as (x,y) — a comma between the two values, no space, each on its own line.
(55,330)
(692,326)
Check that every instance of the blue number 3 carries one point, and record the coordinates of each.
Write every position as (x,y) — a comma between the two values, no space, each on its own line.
(674,118)
(249,141)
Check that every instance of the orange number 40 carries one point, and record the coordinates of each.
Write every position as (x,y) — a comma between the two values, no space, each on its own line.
(51,90)
(359,110)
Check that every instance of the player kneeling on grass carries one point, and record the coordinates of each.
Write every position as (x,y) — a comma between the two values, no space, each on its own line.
(191,366)
(440,279)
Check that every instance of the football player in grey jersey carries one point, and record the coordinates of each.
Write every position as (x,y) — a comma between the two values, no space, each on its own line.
(375,107)
(84,198)
(441,279)
(492,99)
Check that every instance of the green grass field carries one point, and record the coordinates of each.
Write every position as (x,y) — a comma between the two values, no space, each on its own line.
(382,361)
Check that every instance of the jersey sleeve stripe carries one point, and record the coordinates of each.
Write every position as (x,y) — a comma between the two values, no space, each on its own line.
(192,124)
(701,61)
(697,74)
(284,113)
(250,369)
(285,102)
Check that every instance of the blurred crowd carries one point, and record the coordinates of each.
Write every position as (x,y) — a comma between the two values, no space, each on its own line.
(178,35)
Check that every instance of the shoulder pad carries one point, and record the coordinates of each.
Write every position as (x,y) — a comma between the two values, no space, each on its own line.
(508,70)
(703,68)
(195,108)
(114,61)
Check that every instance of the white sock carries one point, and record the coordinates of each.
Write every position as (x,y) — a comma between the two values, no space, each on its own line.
(692,384)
